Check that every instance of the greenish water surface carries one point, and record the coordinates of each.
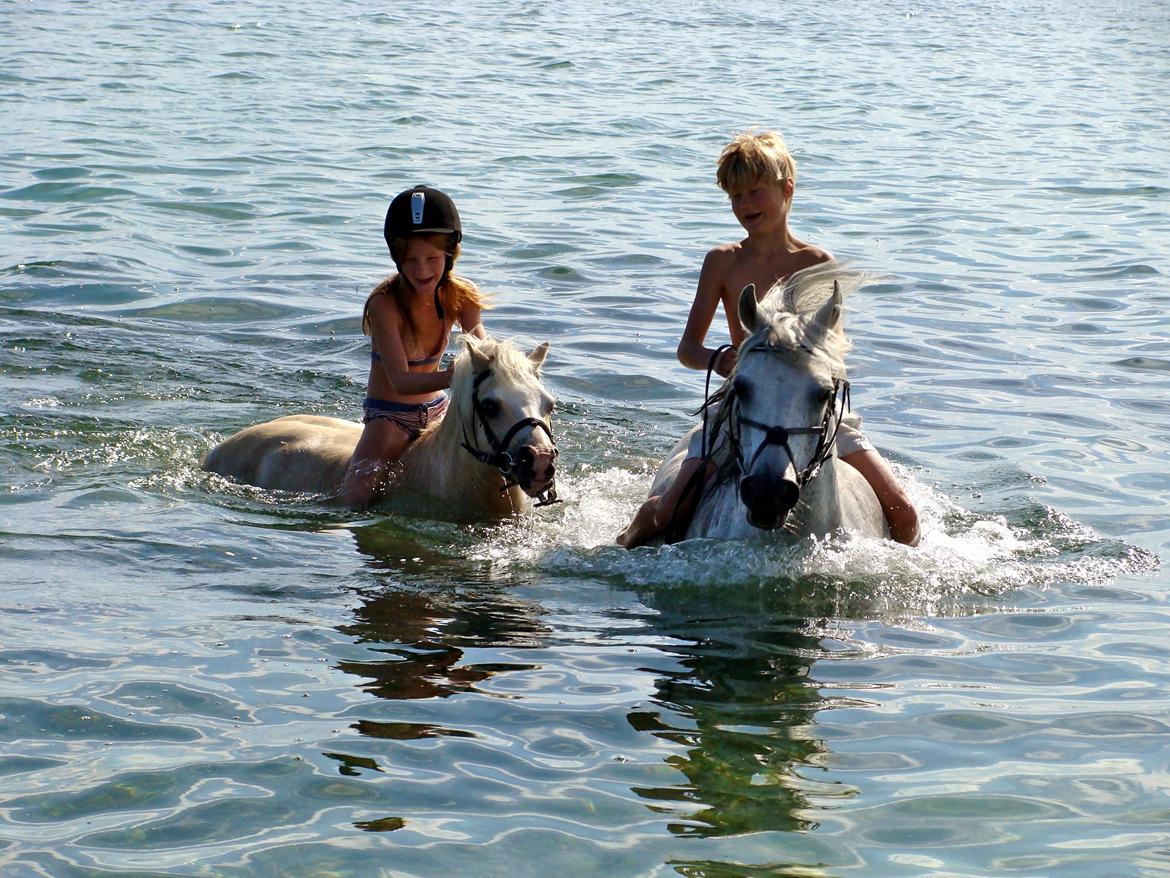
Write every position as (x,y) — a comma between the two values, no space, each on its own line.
(200,679)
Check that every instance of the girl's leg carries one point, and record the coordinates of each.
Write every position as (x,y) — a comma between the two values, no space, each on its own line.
(900,513)
(658,511)
(381,443)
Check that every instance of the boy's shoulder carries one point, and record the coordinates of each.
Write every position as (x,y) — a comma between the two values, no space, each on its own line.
(811,254)
(724,254)
(734,253)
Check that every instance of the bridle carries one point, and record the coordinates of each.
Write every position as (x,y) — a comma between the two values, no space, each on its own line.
(498,457)
(776,434)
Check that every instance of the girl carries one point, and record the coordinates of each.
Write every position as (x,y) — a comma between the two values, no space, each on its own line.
(409,318)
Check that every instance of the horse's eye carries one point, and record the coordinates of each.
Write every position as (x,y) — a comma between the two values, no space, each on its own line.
(490,407)
(742,388)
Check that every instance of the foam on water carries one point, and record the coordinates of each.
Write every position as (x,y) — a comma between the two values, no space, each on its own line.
(963,562)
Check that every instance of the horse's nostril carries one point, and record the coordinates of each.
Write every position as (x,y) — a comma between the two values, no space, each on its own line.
(787,494)
(769,496)
(747,491)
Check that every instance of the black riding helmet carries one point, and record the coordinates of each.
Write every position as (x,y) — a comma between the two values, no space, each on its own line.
(422,210)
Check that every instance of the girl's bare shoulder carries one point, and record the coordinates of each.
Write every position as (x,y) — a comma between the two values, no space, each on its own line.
(382,309)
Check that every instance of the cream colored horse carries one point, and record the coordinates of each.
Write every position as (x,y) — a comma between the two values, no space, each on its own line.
(491,452)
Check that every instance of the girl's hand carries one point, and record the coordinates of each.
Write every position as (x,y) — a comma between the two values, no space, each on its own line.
(726,361)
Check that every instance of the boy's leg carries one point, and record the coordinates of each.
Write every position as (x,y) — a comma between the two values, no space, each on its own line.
(381,443)
(658,511)
(900,513)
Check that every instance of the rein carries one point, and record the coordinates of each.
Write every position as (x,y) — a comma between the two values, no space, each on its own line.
(675,528)
(708,399)
(499,458)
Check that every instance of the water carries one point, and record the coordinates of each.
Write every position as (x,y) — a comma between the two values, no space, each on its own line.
(202,679)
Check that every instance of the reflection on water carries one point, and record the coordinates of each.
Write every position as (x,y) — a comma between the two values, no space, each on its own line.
(204,680)
(742,710)
(728,707)
(695,696)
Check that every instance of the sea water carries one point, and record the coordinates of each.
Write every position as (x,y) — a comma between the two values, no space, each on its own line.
(203,679)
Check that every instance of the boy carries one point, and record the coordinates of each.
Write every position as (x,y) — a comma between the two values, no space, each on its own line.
(759,176)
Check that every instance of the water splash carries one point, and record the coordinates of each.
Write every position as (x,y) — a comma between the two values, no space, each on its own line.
(964,558)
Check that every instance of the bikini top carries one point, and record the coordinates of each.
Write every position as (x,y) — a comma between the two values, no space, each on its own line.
(434,357)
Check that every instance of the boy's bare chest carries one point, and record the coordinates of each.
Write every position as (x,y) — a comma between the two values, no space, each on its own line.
(764,272)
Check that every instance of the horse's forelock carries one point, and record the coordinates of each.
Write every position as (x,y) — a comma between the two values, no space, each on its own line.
(511,363)
(508,362)
(788,338)
(807,290)
(788,309)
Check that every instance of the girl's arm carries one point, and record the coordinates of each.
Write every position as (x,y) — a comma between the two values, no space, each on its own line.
(692,352)
(386,330)
(471,320)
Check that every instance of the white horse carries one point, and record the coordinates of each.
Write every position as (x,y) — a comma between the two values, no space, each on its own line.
(773,435)
(490,453)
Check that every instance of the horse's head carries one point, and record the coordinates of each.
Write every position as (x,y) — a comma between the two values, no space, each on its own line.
(504,412)
(781,409)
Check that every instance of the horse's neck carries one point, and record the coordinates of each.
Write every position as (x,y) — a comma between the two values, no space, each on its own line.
(437,464)
(841,497)
(719,513)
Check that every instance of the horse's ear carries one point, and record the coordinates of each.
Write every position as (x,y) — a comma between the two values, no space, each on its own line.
(538,355)
(747,307)
(830,314)
(480,360)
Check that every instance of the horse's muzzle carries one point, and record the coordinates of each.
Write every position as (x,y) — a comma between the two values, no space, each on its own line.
(768,499)
(536,468)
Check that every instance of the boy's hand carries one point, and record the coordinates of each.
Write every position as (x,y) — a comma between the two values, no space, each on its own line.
(725,362)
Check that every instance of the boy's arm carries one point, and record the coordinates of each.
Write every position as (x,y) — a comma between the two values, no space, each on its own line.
(692,352)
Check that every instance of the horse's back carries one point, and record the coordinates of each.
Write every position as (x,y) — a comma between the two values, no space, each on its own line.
(668,469)
(860,510)
(304,453)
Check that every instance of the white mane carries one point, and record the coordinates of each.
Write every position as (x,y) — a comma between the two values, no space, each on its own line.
(510,366)
(787,315)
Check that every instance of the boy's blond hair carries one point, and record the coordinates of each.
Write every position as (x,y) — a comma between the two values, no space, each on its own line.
(754,158)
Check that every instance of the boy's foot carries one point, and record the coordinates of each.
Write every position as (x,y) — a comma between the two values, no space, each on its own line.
(644,527)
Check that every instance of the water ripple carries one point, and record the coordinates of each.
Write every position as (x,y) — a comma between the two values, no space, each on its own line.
(204,678)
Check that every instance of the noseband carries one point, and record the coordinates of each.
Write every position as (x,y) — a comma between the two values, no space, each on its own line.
(778,435)
(498,457)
